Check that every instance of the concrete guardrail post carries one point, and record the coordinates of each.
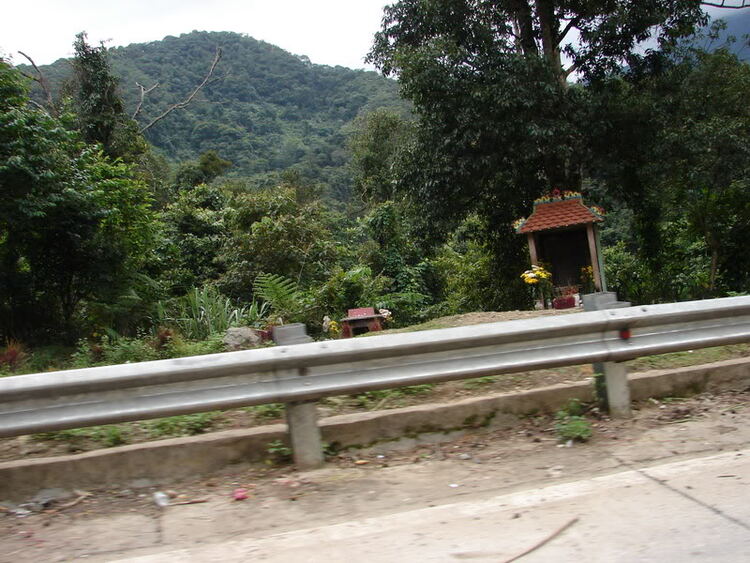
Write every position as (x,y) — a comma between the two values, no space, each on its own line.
(615,373)
(618,390)
(302,416)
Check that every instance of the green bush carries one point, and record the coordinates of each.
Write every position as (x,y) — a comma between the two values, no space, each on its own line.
(280,453)
(372,399)
(109,436)
(571,424)
(282,296)
(269,411)
(479,382)
(356,287)
(106,352)
(464,264)
(576,428)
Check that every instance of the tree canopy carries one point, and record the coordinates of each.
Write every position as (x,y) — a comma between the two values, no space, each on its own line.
(592,37)
(74,225)
(672,143)
(499,122)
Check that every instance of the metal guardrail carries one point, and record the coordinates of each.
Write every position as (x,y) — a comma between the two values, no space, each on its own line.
(288,374)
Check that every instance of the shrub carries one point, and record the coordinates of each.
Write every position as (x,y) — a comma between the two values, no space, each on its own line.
(12,356)
(279,452)
(571,424)
(575,428)
(269,411)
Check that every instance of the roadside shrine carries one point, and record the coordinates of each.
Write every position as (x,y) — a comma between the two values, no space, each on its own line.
(563,234)
(361,320)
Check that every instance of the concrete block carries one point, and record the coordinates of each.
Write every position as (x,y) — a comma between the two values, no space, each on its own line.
(295,333)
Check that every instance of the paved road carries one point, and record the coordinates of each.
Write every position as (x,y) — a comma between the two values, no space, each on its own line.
(692,510)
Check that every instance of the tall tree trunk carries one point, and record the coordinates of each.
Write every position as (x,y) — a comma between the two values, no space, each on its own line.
(525,24)
(549,25)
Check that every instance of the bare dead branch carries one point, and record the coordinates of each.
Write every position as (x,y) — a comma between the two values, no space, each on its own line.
(186,101)
(38,105)
(42,81)
(544,541)
(571,24)
(144,91)
(729,4)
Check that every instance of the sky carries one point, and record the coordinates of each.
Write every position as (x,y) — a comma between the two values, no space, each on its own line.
(331,32)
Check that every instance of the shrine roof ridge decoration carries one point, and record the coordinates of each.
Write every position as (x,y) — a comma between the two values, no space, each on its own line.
(557,210)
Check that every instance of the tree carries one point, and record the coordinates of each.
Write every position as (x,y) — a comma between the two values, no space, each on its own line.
(277,232)
(207,168)
(74,226)
(499,122)
(571,36)
(673,144)
(592,36)
(375,144)
(709,141)
(100,110)
(195,231)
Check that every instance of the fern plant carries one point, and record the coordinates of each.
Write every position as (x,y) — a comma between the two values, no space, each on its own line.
(282,295)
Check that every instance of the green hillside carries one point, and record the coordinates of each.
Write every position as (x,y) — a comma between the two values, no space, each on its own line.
(266,110)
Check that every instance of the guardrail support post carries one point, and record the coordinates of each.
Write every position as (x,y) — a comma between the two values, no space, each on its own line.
(301,417)
(615,384)
(618,390)
(304,434)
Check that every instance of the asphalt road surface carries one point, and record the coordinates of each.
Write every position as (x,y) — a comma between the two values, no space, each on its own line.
(692,510)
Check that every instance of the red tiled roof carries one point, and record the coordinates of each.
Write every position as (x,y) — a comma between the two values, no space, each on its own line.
(556,214)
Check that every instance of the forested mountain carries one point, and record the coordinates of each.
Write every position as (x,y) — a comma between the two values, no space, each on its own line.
(264,109)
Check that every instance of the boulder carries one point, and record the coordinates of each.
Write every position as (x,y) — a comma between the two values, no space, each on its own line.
(241,338)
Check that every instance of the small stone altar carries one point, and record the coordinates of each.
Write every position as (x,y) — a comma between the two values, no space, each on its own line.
(361,320)
(563,233)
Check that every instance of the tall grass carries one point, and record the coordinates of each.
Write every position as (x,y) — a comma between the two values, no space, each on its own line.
(205,311)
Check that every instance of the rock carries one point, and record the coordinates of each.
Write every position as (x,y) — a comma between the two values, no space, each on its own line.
(241,338)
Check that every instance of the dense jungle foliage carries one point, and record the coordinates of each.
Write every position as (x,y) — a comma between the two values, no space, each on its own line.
(286,192)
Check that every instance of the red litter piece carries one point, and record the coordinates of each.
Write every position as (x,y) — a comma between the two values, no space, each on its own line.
(239,494)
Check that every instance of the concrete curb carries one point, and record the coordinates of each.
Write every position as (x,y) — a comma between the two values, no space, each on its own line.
(167,460)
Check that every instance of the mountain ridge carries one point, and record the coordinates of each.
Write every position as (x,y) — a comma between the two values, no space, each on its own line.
(267,110)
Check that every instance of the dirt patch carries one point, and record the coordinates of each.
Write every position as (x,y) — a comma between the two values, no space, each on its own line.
(468,319)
